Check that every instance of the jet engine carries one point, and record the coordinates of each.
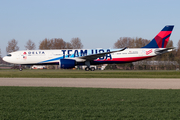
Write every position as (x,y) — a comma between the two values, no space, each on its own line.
(67,63)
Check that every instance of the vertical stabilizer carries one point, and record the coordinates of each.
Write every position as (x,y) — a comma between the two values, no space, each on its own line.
(161,39)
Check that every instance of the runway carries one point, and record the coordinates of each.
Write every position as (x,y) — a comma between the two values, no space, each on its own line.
(131,83)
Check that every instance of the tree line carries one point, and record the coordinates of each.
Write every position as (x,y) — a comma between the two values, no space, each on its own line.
(46,44)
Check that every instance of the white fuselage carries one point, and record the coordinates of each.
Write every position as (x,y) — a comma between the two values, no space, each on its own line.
(53,56)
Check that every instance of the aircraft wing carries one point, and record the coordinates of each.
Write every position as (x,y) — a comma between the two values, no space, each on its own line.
(163,50)
(95,56)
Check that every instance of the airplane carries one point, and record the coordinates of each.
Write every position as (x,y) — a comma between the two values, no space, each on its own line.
(69,58)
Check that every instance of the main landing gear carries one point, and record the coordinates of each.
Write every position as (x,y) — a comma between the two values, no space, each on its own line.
(88,68)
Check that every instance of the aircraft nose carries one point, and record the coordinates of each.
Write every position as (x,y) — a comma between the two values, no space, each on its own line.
(5,59)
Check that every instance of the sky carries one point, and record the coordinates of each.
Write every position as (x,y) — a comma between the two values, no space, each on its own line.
(98,23)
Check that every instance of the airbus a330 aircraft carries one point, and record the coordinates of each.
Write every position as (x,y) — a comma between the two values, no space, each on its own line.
(69,58)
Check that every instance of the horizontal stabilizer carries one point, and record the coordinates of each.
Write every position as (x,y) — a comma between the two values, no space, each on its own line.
(158,52)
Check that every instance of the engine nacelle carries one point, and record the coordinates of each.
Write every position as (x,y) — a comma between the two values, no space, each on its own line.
(67,63)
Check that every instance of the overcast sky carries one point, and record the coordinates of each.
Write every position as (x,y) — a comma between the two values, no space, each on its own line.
(98,23)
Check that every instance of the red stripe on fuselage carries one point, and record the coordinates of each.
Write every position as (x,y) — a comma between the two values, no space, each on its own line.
(126,59)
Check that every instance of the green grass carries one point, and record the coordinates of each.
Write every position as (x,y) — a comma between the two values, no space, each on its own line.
(40,103)
(88,74)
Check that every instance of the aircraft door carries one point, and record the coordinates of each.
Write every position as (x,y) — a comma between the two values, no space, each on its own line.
(18,56)
(50,55)
(142,52)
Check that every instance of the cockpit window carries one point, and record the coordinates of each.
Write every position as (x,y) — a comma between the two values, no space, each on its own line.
(9,55)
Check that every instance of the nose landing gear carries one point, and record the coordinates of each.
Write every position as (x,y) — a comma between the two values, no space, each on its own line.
(20,68)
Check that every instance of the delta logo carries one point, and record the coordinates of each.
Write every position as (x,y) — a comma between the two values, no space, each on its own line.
(33,52)
(149,51)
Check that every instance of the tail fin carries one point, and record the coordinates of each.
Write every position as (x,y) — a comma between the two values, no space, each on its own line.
(161,39)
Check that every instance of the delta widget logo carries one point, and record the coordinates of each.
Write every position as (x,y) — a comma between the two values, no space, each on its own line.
(149,51)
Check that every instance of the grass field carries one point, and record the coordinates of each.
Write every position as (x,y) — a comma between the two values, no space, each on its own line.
(89,74)
(36,103)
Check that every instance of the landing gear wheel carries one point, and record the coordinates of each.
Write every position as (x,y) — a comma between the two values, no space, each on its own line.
(92,69)
(87,69)
(20,69)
